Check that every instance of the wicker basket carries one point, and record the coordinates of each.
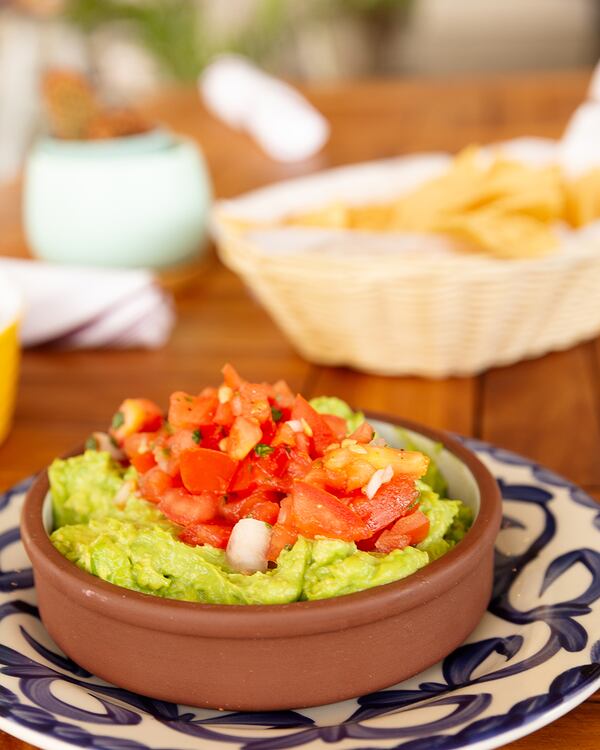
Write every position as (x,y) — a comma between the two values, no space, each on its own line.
(399,305)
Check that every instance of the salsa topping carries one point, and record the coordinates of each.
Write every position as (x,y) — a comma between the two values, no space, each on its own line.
(258,451)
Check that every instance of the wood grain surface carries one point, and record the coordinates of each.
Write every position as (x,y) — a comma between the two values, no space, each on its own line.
(548,408)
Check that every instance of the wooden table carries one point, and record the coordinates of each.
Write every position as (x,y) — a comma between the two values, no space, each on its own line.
(548,408)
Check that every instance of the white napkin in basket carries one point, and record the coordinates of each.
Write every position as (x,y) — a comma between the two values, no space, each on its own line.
(79,307)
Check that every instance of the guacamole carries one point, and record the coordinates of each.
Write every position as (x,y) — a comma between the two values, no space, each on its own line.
(103,525)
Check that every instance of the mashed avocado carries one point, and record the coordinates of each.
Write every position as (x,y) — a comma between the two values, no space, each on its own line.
(114,534)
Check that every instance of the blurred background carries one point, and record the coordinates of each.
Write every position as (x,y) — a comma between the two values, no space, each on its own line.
(133,47)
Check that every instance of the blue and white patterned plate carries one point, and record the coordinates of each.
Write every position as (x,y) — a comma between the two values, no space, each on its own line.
(535,655)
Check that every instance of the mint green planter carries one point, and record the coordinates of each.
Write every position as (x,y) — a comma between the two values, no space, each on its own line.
(136,201)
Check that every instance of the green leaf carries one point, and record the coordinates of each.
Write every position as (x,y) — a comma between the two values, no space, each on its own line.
(118,420)
(263,450)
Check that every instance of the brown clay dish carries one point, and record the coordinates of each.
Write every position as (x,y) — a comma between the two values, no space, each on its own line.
(269,657)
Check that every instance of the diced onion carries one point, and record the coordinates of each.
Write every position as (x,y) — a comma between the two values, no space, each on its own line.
(379,478)
(105,443)
(295,424)
(248,545)
(224,394)
(124,492)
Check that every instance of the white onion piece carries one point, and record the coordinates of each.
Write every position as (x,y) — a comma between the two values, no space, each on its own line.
(379,478)
(248,545)
(104,443)
(124,492)
(296,425)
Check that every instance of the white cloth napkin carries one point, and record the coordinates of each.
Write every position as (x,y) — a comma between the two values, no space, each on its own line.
(77,307)
(579,148)
(284,124)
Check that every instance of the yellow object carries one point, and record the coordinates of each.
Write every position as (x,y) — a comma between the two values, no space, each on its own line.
(505,208)
(9,354)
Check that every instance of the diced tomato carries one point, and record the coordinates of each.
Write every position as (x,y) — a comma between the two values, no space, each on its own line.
(322,434)
(233,510)
(281,537)
(391,501)
(266,511)
(231,377)
(332,481)
(283,395)
(316,512)
(245,434)
(252,400)
(211,435)
(135,415)
(143,462)
(138,448)
(168,449)
(189,412)
(184,508)
(154,483)
(389,540)
(224,414)
(285,435)
(206,470)
(214,534)
(269,430)
(337,425)
(415,525)
(303,443)
(363,433)
(285,512)
(358,473)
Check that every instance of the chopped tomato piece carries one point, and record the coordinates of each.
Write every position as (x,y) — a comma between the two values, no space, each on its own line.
(391,501)
(135,415)
(321,433)
(154,483)
(285,435)
(206,470)
(189,412)
(389,540)
(363,433)
(138,448)
(245,434)
(285,512)
(337,425)
(329,480)
(358,473)
(281,537)
(210,436)
(234,510)
(231,377)
(283,395)
(415,525)
(224,414)
(184,508)
(266,511)
(316,512)
(214,534)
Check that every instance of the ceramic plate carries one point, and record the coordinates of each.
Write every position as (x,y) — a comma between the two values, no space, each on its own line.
(534,656)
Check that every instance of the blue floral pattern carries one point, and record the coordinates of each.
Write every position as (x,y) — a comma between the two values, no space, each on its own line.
(474,696)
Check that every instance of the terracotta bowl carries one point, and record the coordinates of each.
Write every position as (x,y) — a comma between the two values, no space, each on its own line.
(278,656)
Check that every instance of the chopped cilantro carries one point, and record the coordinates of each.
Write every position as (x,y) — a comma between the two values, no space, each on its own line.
(263,450)
(118,420)
(276,413)
(196,436)
(91,444)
